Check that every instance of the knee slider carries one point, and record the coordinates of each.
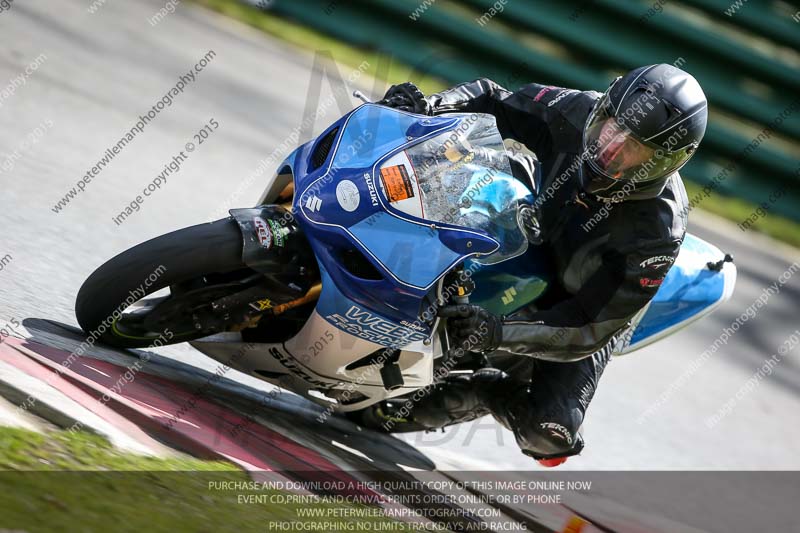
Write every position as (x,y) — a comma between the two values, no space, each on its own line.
(548,439)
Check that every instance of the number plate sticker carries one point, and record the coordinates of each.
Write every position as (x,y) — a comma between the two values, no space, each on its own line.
(397,183)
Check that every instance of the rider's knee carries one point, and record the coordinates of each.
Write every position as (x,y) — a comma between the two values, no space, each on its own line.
(549,439)
(549,430)
(545,421)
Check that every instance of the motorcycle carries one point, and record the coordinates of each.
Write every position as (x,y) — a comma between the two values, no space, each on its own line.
(330,286)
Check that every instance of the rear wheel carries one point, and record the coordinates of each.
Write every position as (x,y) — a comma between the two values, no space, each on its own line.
(196,265)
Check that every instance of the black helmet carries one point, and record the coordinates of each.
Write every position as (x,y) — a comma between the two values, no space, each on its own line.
(644,128)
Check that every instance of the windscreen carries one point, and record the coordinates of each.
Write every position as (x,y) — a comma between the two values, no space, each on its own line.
(464,178)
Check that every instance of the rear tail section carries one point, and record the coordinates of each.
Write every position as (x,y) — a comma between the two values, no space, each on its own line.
(701,280)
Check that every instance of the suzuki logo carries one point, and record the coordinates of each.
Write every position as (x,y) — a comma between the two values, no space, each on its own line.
(313,203)
(509,295)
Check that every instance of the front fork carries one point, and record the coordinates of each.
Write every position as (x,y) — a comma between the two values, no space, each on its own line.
(463,286)
(276,248)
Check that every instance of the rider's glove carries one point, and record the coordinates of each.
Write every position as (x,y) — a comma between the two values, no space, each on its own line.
(406,97)
(472,327)
(528,219)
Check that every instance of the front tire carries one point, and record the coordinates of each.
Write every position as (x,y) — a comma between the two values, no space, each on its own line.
(168,260)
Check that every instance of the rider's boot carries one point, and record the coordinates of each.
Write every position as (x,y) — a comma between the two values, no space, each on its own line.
(460,398)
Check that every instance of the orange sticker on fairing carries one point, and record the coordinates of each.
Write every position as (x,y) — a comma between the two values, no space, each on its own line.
(397,183)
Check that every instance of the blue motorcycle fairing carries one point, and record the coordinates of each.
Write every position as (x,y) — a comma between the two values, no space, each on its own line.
(343,207)
(371,131)
(504,288)
(359,318)
(689,291)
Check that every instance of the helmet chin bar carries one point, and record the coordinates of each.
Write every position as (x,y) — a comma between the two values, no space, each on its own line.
(601,186)
(615,191)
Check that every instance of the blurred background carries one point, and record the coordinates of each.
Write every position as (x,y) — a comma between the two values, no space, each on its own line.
(745,53)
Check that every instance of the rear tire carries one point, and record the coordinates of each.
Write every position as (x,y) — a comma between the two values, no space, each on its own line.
(176,257)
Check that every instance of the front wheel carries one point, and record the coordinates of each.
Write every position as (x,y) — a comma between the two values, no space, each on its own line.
(187,261)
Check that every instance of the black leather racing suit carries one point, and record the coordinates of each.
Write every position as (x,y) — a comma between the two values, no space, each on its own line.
(610,258)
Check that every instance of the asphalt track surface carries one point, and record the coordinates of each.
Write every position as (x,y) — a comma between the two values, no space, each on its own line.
(103,70)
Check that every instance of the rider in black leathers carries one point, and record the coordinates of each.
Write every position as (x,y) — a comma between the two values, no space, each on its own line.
(611,211)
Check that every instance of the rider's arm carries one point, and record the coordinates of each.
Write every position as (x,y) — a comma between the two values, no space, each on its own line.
(518,115)
(584,323)
(480,96)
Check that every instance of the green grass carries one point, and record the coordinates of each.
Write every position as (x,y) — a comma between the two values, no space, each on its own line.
(734,209)
(62,481)
(309,39)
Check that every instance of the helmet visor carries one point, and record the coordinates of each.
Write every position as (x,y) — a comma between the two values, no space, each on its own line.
(615,152)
